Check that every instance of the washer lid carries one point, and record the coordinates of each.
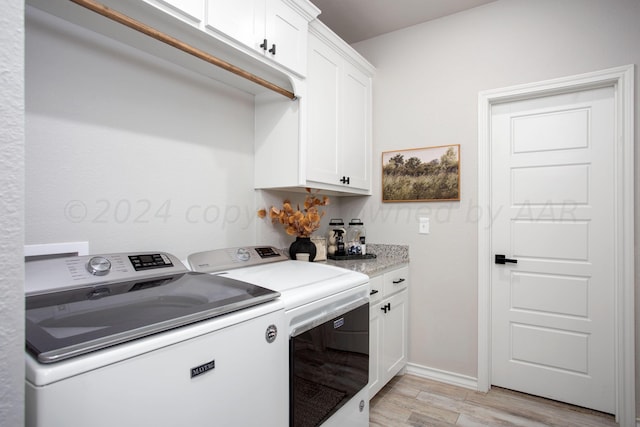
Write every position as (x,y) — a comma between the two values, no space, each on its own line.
(63,324)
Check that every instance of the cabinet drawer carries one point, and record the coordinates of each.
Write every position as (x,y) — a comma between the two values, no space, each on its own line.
(376,288)
(396,280)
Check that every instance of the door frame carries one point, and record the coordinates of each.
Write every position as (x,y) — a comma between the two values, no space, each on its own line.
(622,81)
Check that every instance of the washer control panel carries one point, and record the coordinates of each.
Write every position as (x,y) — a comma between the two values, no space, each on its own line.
(227,259)
(148,261)
(47,275)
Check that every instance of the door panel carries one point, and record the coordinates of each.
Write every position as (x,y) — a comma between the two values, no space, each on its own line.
(552,185)
(530,345)
(551,240)
(552,188)
(557,129)
(551,294)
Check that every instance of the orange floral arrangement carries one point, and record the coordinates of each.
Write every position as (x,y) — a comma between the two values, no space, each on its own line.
(298,222)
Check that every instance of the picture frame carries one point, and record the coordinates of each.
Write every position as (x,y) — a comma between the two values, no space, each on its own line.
(428,174)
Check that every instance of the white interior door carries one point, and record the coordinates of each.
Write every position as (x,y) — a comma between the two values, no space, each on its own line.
(552,196)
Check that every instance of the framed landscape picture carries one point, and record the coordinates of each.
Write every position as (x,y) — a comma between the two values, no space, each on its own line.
(421,174)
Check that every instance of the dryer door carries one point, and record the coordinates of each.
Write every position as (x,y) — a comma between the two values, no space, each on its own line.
(329,365)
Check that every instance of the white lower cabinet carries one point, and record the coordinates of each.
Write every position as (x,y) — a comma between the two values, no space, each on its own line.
(388,319)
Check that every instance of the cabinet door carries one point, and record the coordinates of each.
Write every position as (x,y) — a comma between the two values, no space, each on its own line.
(322,88)
(355,127)
(242,20)
(375,329)
(191,11)
(287,31)
(394,335)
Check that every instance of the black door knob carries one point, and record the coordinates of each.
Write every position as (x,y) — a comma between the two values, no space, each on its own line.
(501,259)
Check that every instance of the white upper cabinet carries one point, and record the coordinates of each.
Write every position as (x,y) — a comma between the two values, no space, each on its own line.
(189,10)
(323,92)
(339,143)
(323,140)
(276,29)
(242,20)
(356,128)
(339,105)
(286,32)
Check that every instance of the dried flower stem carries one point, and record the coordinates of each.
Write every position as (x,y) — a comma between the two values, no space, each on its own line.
(298,222)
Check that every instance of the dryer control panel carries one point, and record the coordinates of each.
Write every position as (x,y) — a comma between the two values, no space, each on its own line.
(230,258)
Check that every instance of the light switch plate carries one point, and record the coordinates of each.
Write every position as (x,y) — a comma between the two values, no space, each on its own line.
(423,227)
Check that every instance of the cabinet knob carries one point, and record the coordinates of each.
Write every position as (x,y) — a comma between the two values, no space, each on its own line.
(395,282)
(264,44)
(273,49)
(386,307)
(345,180)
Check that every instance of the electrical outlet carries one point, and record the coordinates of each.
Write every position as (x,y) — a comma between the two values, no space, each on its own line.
(423,227)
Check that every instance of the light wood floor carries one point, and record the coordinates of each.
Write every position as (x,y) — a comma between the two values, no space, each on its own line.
(417,402)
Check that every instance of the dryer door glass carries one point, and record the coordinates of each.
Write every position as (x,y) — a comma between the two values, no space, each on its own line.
(329,365)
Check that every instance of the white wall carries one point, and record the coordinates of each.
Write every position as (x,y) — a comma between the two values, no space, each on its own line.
(129,152)
(425,94)
(11,212)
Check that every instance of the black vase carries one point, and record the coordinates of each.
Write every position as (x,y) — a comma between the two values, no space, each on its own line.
(302,245)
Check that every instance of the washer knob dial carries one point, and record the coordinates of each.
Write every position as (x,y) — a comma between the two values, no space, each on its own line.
(243,254)
(98,266)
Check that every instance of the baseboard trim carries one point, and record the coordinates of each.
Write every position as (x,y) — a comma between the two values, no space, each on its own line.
(443,376)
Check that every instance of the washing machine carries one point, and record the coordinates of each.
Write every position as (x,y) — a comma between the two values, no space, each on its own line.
(136,339)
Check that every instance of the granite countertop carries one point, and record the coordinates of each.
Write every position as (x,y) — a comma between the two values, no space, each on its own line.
(387,256)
